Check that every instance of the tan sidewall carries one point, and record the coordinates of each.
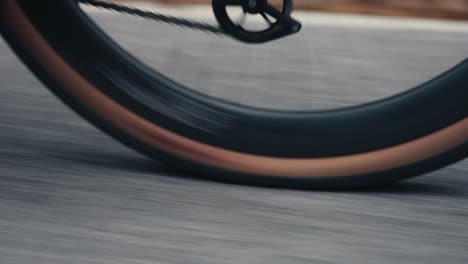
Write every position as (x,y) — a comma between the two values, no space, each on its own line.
(91,97)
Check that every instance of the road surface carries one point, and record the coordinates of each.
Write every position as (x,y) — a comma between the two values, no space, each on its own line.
(70,194)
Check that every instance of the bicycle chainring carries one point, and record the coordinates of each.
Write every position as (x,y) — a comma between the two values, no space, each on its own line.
(280,23)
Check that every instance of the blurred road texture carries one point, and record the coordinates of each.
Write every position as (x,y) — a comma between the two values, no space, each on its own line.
(70,194)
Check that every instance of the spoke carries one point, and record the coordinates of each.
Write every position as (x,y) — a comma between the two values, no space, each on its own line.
(266,18)
(270,10)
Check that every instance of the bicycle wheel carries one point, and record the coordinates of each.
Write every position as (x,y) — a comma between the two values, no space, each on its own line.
(405,135)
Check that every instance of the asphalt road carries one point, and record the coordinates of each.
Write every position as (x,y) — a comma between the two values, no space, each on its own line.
(70,194)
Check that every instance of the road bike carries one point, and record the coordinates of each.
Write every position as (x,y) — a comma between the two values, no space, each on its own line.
(375,143)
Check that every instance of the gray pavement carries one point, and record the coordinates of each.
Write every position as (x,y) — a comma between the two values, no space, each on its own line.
(70,194)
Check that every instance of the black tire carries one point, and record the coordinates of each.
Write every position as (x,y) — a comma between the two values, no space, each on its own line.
(406,135)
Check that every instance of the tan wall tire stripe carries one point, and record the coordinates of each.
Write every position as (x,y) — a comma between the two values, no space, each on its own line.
(358,164)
